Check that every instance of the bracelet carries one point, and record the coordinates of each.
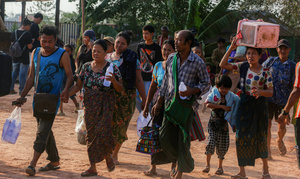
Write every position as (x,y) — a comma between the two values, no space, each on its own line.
(283,112)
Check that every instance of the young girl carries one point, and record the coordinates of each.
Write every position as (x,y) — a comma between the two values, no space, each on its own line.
(223,104)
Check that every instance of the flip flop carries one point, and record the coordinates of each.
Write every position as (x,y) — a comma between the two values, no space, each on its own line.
(238,177)
(173,173)
(30,171)
(150,173)
(219,171)
(281,148)
(48,167)
(206,170)
(110,165)
(266,176)
(89,173)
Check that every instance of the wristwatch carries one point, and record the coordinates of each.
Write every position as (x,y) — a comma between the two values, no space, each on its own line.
(283,112)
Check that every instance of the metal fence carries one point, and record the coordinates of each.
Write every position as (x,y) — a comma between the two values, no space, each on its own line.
(68,32)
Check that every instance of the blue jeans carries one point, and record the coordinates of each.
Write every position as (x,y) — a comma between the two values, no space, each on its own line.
(138,99)
(19,69)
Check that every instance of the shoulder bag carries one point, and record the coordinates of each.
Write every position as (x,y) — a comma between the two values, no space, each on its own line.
(45,104)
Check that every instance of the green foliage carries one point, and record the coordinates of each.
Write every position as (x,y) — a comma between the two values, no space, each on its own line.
(14,27)
(286,10)
(68,17)
(104,29)
(44,7)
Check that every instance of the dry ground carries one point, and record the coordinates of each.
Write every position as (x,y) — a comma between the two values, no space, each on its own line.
(74,160)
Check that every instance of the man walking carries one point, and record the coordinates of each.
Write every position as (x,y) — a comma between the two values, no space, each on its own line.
(164,35)
(191,70)
(35,29)
(54,63)
(218,53)
(20,64)
(283,75)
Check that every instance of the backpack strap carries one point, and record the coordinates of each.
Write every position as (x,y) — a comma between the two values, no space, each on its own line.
(18,39)
(37,73)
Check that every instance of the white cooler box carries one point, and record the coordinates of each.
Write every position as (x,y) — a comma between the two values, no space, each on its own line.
(258,34)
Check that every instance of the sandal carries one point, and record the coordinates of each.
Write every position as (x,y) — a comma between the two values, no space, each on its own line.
(238,177)
(110,165)
(266,176)
(173,172)
(281,148)
(30,171)
(206,170)
(150,173)
(89,173)
(48,167)
(219,171)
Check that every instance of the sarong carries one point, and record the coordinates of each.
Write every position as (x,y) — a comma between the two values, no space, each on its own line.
(252,127)
(123,112)
(99,106)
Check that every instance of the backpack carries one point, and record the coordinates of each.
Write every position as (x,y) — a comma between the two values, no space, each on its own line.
(15,49)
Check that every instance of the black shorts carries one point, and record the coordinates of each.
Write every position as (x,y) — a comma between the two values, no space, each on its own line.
(274,110)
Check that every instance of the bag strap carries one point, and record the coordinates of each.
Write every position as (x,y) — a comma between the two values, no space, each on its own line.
(174,68)
(150,121)
(37,70)
(18,39)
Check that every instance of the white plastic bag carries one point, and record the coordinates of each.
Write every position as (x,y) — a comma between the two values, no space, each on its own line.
(142,122)
(12,127)
(80,128)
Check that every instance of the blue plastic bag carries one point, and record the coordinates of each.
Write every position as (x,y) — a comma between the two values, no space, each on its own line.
(12,127)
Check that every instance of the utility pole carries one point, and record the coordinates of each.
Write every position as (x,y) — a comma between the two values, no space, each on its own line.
(23,10)
(57,13)
(83,16)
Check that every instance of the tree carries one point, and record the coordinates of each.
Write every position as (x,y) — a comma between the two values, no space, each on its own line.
(286,10)
(68,17)
(44,7)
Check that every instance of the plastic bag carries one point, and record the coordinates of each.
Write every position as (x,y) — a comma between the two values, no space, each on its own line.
(12,127)
(142,122)
(80,128)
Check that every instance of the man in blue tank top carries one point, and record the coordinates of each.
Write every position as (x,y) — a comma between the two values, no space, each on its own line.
(54,63)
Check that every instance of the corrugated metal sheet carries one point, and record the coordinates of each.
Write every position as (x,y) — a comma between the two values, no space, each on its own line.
(69,33)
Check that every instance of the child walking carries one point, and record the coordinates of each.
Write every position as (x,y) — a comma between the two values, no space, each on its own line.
(223,104)
(69,50)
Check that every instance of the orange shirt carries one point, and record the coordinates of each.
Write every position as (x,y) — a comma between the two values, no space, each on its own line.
(297,85)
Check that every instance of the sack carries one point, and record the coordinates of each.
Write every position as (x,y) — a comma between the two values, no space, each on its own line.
(12,127)
(149,140)
(15,49)
(142,122)
(80,128)
(45,105)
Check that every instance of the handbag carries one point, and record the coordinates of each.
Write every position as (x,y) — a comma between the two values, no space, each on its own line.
(172,113)
(149,140)
(44,103)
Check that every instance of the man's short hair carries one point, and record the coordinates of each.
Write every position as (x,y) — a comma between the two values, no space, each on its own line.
(26,22)
(150,28)
(49,30)
(221,40)
(188,36)
(38,15)
(164,28)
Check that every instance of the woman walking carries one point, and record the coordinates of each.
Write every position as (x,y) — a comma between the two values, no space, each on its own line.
(252,115)
(128,63)
(99,102)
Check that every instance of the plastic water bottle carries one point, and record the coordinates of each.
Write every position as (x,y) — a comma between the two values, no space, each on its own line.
(182,87)
(109,70)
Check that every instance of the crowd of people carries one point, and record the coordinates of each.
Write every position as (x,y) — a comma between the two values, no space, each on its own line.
(249,91)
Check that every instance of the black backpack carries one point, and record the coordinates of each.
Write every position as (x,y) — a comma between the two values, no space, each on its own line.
(15,49)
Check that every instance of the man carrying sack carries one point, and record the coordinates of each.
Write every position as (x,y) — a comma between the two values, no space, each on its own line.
(50,65)
(186,67)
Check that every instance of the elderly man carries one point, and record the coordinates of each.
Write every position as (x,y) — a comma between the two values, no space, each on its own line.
(190,70)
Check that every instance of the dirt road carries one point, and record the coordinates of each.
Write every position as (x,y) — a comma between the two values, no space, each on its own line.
(74,160)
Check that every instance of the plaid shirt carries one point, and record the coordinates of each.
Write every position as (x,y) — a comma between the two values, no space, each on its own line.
(192,73)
